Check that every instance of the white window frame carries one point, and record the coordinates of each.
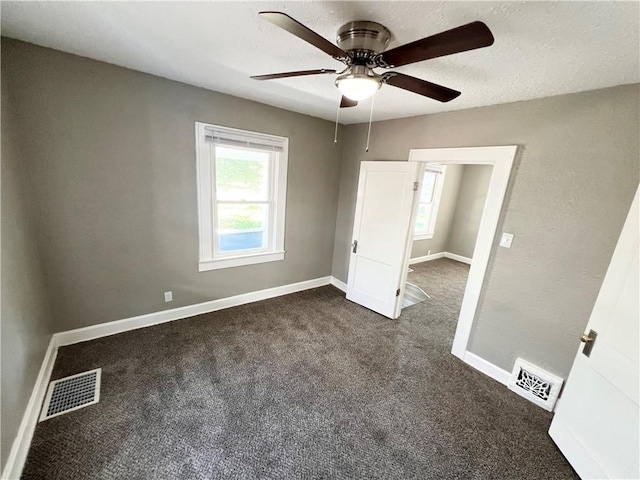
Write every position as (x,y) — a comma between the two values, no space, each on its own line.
(205,168)
(440,171)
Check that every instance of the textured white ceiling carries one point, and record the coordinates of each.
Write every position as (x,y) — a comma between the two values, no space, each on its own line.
(541,48)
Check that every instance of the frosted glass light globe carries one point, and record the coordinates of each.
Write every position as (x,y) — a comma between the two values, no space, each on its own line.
(358,88)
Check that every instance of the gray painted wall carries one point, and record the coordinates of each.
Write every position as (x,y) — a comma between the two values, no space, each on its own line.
(465,223)
(112,169)
(446,213)
(460,212)
(575,175)
(26,324)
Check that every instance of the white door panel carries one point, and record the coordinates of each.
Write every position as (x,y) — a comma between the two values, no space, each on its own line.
(372,282)
(587,433)
(367,269)
(617,359)
(382,225)
(597,424)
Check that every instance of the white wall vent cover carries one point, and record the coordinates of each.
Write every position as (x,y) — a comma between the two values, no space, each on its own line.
(535,384)
(71,393)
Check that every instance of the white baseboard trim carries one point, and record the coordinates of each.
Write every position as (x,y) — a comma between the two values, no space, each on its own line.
(426,258)
(118,326)
(489,369)
(457,258)
(22,442)
(435,256)
(339,284)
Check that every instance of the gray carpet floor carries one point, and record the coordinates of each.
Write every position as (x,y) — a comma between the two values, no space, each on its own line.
(306,386)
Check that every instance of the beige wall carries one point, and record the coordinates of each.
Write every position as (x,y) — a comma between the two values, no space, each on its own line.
(573,181)
(25,316)
(446,213)
(111,158)
(465,223)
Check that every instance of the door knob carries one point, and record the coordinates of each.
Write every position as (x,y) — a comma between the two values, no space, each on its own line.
(584,338)
(588,339)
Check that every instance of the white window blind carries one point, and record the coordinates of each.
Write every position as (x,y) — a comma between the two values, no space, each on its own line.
(233,138)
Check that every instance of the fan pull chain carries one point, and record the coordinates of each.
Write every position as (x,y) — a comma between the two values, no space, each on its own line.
(335,136)
(370,117)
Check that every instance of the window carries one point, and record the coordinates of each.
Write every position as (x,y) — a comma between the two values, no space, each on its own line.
(242,184)
(430,195)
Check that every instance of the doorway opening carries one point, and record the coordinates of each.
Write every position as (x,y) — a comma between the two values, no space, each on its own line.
(500,159)
(450,201)
(386,211)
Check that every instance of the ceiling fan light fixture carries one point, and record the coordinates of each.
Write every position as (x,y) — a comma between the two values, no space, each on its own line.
(362,46)
(358,83)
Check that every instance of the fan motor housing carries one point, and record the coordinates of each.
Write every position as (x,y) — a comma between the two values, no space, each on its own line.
(363,36)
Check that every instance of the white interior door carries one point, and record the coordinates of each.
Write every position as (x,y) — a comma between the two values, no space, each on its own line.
(381,235)
(597,421)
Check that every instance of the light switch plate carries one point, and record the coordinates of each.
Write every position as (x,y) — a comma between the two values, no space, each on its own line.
(506,240)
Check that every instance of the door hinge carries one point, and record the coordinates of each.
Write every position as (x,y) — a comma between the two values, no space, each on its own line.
(415,186)
(397,292)
(355,246)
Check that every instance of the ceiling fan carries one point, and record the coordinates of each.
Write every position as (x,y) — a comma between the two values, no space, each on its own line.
(361,47)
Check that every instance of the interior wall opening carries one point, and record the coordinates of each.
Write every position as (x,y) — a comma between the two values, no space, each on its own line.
(500,159)
(451,202)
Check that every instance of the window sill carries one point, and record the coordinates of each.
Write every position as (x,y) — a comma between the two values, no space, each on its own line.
(423,236)
(206,265)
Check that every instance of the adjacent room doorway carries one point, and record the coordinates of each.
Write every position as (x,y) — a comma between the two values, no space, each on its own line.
(392,216)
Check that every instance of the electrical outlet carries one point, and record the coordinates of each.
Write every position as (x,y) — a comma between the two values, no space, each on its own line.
(168,296)
(428,252)
(506,240)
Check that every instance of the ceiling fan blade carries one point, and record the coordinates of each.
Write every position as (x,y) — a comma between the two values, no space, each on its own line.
(460,39)
(421,87)
(287,23)
(347,102)
(300,73)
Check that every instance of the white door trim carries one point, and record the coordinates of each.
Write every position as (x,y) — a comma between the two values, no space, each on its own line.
(501,158)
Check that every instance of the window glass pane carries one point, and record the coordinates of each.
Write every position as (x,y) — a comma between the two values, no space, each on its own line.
(242,174)
(242,226)
(422,219)
(428,186)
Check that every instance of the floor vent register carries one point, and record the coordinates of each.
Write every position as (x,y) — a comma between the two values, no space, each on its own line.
(535,384)
(71,393)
